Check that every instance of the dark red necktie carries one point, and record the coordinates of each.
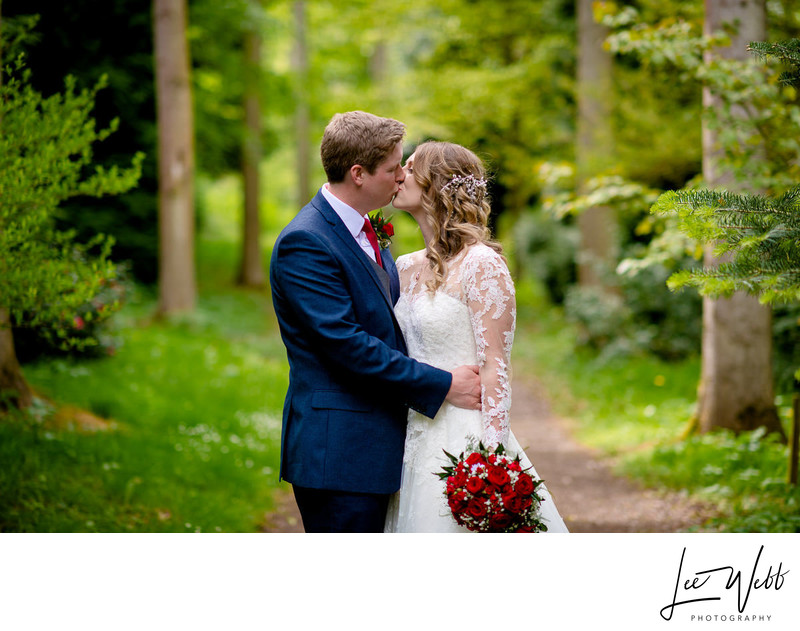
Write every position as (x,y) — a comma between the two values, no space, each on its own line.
(373,240)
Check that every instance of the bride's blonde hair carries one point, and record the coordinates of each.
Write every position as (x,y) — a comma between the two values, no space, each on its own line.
(453,183)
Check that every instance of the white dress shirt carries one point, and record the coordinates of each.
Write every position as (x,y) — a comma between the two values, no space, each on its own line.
(352,219)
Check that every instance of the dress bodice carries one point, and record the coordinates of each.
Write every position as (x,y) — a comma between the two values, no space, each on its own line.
(437,329)
(469,319)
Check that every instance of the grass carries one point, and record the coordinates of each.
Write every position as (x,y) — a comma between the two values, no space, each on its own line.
(745,476)
(195,404)
(638,410)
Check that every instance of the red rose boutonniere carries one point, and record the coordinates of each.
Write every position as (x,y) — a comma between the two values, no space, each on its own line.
(489,492)
(384,230)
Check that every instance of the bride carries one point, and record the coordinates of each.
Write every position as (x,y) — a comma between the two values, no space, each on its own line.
(456,307)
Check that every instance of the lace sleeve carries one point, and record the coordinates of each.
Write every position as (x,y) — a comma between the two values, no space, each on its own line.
(489,293)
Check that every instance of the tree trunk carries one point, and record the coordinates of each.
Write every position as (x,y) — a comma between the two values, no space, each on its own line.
(301,119)
(597,255)
(177,275)
(14,390)
(736,385)
(379,74)
(251,271)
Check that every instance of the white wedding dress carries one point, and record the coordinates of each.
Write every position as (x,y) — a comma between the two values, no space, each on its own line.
(469,320)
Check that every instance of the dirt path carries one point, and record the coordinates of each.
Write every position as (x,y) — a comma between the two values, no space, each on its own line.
(589,496)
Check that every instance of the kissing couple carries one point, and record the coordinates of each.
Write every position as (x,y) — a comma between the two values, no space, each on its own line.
(391,363)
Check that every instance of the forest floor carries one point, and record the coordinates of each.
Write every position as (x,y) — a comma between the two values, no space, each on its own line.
(589,496)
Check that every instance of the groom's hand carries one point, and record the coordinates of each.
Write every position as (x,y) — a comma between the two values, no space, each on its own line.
(465,389)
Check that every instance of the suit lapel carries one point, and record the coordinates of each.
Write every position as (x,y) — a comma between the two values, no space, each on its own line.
(339,229)
(391,270)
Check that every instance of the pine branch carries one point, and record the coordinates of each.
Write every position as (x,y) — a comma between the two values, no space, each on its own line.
(761,234)
(787,51)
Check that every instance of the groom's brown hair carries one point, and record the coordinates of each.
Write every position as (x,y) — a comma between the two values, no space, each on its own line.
(358,138)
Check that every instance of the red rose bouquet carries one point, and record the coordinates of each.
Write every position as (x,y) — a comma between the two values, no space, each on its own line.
(489,492)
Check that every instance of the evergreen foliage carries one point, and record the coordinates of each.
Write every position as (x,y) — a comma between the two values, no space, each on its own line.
(760,234)
(787,52)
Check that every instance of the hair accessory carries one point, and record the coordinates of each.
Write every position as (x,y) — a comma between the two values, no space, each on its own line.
(476,187)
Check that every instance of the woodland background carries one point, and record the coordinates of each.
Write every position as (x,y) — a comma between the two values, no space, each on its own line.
(141,371)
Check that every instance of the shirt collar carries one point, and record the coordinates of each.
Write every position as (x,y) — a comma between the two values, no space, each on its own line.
(352,219)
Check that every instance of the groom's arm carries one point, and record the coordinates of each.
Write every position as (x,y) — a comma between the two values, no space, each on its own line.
(308,279)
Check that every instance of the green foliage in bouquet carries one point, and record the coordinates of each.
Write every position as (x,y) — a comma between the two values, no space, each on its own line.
(46,277)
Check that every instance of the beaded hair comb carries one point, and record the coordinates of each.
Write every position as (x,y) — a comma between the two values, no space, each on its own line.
(476,187)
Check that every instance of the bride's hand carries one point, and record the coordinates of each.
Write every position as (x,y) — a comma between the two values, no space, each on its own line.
(465,389)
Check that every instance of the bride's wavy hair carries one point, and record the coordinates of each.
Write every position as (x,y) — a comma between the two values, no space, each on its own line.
(453,183)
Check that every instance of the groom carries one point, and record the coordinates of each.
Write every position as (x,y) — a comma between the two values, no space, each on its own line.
(350,379)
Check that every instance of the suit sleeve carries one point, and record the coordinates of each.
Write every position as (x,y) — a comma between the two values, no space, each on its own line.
(308,279)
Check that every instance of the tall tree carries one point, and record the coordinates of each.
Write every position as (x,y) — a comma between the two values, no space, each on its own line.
(302,120)
(177,275)
(251,270)
(736,385)
(597,225)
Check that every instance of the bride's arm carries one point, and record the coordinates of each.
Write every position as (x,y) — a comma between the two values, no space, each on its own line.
(489,292)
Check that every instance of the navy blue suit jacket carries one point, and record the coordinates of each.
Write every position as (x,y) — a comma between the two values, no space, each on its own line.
(350,379)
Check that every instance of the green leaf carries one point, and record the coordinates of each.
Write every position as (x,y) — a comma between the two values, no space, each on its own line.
(452,458)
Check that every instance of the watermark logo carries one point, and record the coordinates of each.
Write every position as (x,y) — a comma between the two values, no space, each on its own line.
(723,592)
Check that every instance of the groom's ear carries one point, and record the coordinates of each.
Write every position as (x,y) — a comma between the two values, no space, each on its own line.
(357,173)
